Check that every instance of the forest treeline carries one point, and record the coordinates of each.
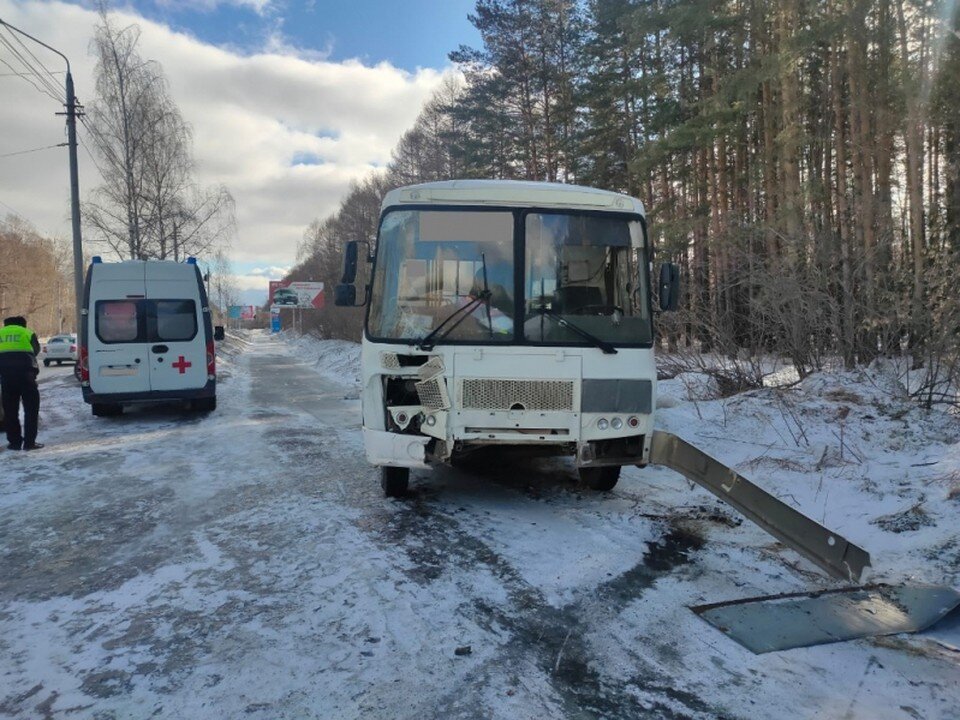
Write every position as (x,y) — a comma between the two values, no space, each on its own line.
(37,278)
(799,159)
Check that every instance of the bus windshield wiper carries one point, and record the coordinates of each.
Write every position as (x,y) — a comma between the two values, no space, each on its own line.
(607,348)
(434,336)
(430,340)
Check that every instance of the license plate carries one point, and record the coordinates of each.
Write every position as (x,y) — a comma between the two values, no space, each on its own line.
(117,371)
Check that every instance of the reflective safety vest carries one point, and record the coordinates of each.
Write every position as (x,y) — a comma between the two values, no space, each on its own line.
(15,338)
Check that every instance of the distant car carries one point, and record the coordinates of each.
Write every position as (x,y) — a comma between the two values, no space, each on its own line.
(59,349)
(285,296)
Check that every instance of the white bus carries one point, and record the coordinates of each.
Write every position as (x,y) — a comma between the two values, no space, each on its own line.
(503,313)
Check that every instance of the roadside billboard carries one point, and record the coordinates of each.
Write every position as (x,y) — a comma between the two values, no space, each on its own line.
(299,294)
(242,312)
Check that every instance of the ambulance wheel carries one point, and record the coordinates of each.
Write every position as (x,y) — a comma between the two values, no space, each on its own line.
(602,479)
(394,481)
(204,404)
(106,409)
(46,363)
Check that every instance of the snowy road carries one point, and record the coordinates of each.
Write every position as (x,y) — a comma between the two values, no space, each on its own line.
(245,564)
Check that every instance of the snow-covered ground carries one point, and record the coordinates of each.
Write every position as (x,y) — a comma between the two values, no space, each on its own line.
(244,564)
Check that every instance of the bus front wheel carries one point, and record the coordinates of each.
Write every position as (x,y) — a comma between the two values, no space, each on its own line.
(600,478)
(394,480)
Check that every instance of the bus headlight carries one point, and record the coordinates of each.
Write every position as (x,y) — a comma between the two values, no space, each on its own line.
(602,424)
(616,423)
(431,420)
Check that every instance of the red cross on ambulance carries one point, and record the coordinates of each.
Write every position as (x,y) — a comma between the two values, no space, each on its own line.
(181,365)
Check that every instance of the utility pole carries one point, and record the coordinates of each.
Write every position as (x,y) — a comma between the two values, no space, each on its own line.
(73,110)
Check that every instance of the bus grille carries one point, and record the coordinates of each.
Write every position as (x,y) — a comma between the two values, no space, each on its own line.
(487,394)
(433,393)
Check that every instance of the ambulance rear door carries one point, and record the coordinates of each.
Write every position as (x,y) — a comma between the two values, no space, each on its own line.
(178,346)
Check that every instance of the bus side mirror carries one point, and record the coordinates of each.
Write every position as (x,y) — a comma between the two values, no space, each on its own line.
(218,333)
(345,295)
(349,263)
(669,287)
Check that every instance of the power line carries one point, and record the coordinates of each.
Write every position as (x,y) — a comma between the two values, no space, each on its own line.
(53,86)
(19,74)
(33,150)
(92,158)
(48,88)
(13,210)
(30,52)
(102,146)
(26,76)
(26,63)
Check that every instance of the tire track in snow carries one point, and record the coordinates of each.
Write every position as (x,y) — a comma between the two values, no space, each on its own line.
(552,640)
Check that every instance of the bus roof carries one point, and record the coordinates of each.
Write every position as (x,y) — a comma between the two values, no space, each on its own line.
(519,193)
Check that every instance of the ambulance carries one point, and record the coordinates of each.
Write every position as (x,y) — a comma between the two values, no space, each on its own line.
(146,336)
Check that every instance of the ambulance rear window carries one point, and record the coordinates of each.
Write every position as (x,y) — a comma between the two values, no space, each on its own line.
(118,321)
(176,320)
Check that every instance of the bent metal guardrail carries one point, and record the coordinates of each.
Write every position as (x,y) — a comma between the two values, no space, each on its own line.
(828,550)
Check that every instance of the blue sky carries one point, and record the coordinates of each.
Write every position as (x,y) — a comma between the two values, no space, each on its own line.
(406,33)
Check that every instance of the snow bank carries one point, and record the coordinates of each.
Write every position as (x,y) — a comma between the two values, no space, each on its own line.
(850,449)
(339,360)
(688,386)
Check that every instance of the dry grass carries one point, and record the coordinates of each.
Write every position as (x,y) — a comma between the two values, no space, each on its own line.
(953,489)
(843,395)
(774,463)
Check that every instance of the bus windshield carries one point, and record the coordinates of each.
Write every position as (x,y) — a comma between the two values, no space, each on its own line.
(432,263)
(589,271)
(584,278)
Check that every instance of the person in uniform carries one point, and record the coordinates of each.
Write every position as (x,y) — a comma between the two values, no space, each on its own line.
(19,348)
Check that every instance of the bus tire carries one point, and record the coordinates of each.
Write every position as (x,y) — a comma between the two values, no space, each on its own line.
(46,363)
(394,481)
(602,479)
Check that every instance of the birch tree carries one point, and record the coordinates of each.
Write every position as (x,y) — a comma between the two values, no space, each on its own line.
(149,205)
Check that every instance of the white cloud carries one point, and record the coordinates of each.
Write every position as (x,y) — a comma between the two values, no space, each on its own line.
(251,116)
(251,282)
(258,6)
(269,272)
(277,44)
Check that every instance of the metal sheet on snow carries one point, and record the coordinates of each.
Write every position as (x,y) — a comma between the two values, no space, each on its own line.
(946,631)
(781,622)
